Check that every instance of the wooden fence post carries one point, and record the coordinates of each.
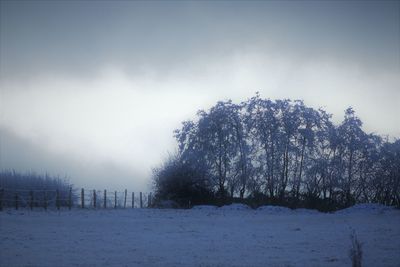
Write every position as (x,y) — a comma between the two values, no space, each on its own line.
(16,200)
(141,200)
(82,198)
(149,201)
(70,198)
(1,198)
(126,192)
(45,200)
(105,199)
(133,200)
(31,199)
(115,199)
(94,198)
(58,199)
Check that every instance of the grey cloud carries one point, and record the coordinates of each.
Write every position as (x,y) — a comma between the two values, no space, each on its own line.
(79,37)
(168,59)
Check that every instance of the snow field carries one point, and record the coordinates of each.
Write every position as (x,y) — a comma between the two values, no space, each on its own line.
(203,236)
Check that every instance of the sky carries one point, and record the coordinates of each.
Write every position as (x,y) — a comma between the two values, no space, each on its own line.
(93,90)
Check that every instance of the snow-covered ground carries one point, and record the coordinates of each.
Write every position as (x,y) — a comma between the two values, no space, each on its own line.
(203,236)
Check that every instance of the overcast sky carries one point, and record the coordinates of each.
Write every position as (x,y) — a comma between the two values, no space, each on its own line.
(93,90)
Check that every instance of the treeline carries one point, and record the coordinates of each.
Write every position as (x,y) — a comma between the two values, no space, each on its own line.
(279,152)
(44,188)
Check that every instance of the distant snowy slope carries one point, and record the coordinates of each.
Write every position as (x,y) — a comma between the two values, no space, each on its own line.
(235,206)
(274,210)
(366,208)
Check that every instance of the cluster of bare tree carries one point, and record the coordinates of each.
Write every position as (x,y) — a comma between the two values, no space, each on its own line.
(24,186)
(280,152)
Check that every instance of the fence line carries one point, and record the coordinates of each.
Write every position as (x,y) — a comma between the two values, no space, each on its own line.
(86,199)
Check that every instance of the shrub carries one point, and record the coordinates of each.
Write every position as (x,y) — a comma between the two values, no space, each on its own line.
(181,182)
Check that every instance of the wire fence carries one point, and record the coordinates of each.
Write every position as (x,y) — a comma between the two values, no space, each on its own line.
(73,198)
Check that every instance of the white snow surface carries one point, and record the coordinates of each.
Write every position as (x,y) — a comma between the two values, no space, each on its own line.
(235,206)
(306,211)
(366,208)
(275,209)
(197,237)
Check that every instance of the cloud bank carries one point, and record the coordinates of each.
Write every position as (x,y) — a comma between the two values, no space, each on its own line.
(97,97)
